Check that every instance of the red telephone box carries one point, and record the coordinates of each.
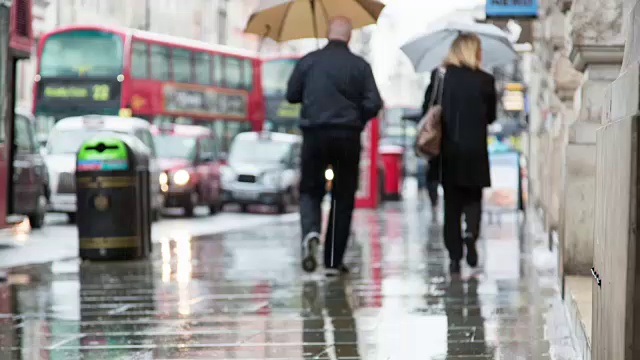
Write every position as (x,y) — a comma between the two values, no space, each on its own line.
(367,195)
(16,42)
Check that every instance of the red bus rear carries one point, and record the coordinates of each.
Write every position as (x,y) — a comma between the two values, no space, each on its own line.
(95,69)
(281,116)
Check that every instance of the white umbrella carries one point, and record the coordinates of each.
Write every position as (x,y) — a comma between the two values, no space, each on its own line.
(428,51)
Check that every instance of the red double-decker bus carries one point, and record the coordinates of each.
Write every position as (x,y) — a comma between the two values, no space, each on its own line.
(281,116)
(95,69)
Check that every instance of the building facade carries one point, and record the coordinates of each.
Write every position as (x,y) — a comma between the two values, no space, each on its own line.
(579,173)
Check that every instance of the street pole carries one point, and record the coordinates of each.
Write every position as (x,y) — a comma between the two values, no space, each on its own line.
(147,15)
(58,13)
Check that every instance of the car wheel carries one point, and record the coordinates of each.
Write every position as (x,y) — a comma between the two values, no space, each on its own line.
(37,219)
(287,199)
(215,208)
(190,207)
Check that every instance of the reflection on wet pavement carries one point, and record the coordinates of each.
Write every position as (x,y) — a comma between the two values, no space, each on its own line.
(241,295)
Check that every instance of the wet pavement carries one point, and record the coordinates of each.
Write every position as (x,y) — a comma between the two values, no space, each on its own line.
(59,240)
(241,295)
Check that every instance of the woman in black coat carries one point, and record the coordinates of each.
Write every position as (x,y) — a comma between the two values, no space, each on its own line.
(468,107)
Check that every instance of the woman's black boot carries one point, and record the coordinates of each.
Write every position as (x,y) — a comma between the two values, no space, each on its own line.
(472,252)
(454,267)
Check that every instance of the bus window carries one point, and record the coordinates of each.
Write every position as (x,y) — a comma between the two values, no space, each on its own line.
(203,68)
(247,72)
(159,62)
(87,53)
(140,60)
(160,120)
(232,129)
(275,75)
(181,120)
(233,73)
(218,70)
(182,65)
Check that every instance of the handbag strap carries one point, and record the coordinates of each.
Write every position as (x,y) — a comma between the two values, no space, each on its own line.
(436,96)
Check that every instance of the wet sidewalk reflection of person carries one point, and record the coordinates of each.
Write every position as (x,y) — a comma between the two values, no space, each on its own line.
(465,335)
(329,327)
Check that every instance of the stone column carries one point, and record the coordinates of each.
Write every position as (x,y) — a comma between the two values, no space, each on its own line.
(616,300)
(596,48)
(550,130)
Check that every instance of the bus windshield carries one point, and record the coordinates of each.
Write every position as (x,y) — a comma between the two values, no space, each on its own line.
(275,76)
(82,53)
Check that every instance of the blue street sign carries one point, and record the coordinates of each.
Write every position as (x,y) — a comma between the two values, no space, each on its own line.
(512,8)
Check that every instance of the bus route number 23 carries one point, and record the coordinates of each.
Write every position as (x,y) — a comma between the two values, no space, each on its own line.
(101,92)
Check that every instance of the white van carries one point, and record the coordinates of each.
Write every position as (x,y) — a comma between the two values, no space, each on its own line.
(64,142)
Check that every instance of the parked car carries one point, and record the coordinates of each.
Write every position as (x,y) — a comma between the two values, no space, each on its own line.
(263,168)
(190,162)
(64,142)
(30,178)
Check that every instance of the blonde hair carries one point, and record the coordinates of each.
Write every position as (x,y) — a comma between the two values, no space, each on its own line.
(464,51)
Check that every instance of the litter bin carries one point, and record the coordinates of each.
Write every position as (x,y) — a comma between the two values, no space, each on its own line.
(392,161)
(113,198)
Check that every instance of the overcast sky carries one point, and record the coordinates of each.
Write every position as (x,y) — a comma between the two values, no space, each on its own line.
(401,21)
(412,17)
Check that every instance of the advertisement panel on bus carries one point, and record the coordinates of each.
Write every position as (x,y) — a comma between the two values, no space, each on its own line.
(92,69)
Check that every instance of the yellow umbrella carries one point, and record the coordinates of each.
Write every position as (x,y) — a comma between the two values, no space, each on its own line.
(284,20)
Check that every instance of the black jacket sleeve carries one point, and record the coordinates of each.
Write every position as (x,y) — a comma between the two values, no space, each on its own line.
(427,94)
(371,100)
(295,87)
(491,99)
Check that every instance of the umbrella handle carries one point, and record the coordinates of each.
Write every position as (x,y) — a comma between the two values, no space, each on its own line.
(312,3)
(263,37)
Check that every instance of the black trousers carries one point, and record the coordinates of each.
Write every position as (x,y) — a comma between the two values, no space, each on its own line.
(340,149)
(432,190)
(434,179)
(458,201)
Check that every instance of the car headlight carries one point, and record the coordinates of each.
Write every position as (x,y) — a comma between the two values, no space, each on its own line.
(181,177)
(163,178)
(227,175)
(271,179)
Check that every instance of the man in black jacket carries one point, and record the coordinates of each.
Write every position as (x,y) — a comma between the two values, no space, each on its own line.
(339,95)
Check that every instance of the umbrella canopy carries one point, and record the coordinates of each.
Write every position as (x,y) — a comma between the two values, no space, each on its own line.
(284,20)
(428,51)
